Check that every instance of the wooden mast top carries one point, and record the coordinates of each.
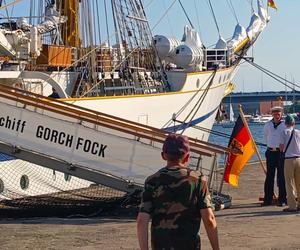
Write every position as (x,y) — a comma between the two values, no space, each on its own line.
(70,30)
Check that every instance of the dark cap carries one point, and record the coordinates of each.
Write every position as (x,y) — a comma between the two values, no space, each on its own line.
(289,120)
(176,145)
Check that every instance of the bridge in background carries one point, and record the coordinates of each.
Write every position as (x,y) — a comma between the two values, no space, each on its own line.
(256,97)
(259,102)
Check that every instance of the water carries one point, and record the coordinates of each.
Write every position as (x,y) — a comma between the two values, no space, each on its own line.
(256,131)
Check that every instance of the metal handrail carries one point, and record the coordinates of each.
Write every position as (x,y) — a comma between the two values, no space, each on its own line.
(98,118)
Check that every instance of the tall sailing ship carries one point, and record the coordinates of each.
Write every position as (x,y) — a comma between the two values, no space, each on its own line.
(168,83)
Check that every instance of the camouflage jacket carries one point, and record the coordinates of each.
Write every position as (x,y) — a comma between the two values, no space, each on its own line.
(173,197)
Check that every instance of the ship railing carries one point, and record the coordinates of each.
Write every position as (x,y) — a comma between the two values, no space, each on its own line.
(217,57)
(96,118)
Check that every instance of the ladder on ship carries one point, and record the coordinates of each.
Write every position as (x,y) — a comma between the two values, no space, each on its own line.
(94,146)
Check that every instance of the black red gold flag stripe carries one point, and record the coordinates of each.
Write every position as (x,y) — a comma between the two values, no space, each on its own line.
(241,150)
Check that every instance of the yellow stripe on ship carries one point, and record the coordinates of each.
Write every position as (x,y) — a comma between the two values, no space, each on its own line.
(241,45)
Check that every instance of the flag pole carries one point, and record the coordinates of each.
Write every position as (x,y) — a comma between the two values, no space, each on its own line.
(222,182)
(255,147)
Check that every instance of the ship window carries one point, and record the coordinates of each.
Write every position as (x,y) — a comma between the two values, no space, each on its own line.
(1,186)
(24,182)
(67,177)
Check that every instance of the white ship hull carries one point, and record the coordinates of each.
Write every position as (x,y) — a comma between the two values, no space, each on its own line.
(157,110)
(193,94)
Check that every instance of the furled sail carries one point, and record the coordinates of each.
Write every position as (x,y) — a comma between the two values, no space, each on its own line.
(242,37)
(258,22)
(239,38)
(52,20)
(221,44)
(262,12)
(254,27)
(191,37)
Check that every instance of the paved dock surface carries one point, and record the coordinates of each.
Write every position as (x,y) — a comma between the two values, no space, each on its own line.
(245,225)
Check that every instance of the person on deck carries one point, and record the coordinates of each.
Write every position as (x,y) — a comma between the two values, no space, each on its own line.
(54,94)
(290,145)
(274,158)
(176,198)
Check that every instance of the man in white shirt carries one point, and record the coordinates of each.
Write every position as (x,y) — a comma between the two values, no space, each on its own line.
(290,145)
(274,158)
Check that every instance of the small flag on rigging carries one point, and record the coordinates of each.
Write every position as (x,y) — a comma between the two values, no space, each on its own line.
(242,148)
(272,4)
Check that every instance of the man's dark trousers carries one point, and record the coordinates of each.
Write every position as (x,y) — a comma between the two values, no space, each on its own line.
(275,161)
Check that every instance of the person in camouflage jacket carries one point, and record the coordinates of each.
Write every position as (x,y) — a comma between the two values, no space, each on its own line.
(176,198)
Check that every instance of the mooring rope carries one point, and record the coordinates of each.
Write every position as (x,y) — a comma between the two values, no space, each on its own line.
(273,75)
(218,133)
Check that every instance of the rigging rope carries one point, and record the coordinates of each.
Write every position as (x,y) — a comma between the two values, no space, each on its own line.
(106,21)
(199,103)
(9,20)
(214,16)
(197,16)
(163,16)
(9,4)
(186,15)
(98,22)
(150,2)
(168,123)
(251,5)
(168,19)
(272,75)
(113,34)
(231,7)
(218,133)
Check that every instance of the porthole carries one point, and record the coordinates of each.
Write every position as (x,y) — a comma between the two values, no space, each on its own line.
(1,186)
(67,177)
(24,182)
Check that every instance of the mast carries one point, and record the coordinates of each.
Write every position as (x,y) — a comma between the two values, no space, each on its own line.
(70,30)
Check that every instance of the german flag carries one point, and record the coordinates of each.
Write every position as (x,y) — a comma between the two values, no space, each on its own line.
(272,4)
(241,148)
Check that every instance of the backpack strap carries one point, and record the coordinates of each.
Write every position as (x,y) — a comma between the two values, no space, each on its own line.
(289,142)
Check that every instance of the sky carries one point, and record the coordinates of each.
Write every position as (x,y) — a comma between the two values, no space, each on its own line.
(277,49)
